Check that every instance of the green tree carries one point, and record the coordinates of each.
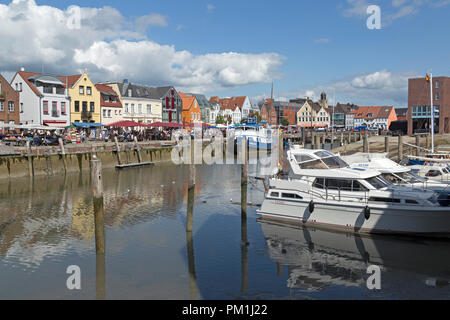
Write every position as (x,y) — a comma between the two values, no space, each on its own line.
(285,122)
(220,119)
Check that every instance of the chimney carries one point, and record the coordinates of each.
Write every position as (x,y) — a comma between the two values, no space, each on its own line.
(22,69)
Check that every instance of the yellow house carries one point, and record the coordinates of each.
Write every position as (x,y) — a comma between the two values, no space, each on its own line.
(313,115)
(84,99)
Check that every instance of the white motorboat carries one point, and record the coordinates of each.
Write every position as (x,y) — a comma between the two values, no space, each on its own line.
(258,137)
(326,192)
(398,174)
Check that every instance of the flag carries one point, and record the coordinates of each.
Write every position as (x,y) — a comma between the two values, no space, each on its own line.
(428,78)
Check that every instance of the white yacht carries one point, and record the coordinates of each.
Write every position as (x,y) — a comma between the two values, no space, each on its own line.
(258,137)
(398,174)
(326,192)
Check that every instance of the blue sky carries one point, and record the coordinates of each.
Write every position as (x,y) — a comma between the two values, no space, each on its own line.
(304,46)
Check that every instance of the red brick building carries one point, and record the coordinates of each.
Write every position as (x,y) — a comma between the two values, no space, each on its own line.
(9,103)
(419,111)
(269,113)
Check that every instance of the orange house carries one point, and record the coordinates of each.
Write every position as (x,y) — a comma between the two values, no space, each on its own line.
(191,110)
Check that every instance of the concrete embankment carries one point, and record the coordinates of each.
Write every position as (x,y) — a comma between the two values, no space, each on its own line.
(41,161)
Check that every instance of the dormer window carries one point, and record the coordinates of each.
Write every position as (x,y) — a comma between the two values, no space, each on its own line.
(129,92)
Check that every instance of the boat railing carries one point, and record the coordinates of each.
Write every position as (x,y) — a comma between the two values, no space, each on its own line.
(326,195)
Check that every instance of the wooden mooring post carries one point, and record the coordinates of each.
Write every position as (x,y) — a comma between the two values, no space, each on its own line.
(386,145)
(138,150)
(418,146)
(119,161)
(191,190)
(99,221)
(400,148)
(244,177)
(63,154)
(366,142)
(30,160)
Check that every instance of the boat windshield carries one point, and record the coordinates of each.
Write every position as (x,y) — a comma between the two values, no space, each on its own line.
(330,161)
(335,163)
(379,182)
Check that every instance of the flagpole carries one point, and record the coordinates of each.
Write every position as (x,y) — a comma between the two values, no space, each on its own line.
(432,112)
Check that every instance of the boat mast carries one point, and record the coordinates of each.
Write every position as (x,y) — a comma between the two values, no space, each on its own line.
(432,112)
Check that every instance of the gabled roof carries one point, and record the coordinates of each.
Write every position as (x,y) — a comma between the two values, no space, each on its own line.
(188,101)
(201,100)
(70,80)
(108,91)
(369,113)
(230,103)
(141,91)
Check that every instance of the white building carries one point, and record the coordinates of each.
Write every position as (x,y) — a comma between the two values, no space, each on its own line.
(44,99)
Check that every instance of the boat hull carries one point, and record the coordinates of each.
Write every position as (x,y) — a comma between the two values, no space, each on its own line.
(347,217)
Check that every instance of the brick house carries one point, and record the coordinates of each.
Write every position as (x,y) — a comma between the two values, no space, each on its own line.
(9,103)
(419,111)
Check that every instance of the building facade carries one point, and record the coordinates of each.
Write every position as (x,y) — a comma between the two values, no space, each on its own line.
(419,100)
(312,115)
(9,103)
(85,99)
(139,103)
(110,106)
(191,110)
(375,117)
(44,99)
(204,105)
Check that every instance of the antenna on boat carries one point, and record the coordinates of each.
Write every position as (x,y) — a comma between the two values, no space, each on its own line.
(432,112)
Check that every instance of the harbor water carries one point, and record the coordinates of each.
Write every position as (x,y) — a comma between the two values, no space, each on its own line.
(47,225)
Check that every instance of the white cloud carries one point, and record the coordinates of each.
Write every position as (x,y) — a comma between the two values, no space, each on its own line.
(113,49)
(151,20)
(210,7)
(322,41)
(382,87)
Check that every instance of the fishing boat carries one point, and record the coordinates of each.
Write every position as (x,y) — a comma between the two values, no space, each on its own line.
(324,191)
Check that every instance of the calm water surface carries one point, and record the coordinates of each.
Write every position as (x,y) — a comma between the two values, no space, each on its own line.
(47,225)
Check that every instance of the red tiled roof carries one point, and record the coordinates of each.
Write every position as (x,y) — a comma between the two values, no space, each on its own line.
(25,76)
(108,90)
(230,103)
(187,101)
(70,80)
(373,112)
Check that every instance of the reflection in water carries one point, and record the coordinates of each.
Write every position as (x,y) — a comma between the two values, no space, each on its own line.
(319,259)
(100,276)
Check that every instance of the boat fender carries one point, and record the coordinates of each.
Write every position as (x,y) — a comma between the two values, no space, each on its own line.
(311,207)
(367,213)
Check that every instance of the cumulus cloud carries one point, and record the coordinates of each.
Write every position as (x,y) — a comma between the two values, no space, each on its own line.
(113,48)
(381,87)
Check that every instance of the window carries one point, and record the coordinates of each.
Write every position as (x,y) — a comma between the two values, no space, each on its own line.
(63,108)
(77,106)
(132,108)
(2,106)
(438,84)
(54,109)
(85,106)
(140,108)
(88,90)
(275,194)
(92,107)
(411,201)
(81,90)
(378,182)
(126,107)
(20,86)
(129,92)
(291,196)
(104,113)
(437,95)
(337,184)
(149,109)
(21,107)
(433,173)
(45,107)
(386,200)
(109,113)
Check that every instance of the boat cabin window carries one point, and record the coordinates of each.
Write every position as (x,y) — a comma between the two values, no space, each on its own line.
(411,201)
(335,163)
(323,154)
(386,200)
(315,164)
(291,196)
(275,194)
(337,184)
(445,170)
(302,158)
(433,173)
(379,182)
